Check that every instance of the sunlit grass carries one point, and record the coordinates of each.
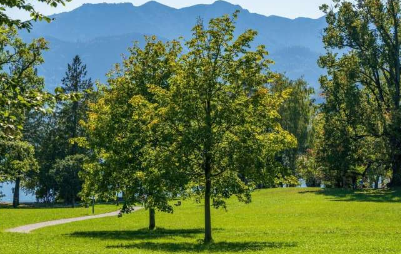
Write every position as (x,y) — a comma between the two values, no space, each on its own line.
(277,221)
(10,217)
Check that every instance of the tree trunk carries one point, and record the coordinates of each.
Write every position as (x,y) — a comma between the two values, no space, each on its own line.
(152,219)
(396,179)
(377,182)
(208,174)
(208,220)
(73,201)
(344,184)
(396,163)
(16,192)
(74,149)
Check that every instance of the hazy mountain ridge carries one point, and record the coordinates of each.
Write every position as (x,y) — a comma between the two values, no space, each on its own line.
(100,33)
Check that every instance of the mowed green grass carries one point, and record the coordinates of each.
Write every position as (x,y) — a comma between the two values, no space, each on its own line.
(277,221)
(10,218)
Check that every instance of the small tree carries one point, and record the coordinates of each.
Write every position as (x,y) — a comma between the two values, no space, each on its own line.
(125,132)
(296,113)
(17,162)
(224,120)
(65,173)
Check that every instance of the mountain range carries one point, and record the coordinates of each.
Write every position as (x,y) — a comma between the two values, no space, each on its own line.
(101,33)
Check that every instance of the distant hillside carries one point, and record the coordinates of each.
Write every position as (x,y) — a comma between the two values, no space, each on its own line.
(100,33)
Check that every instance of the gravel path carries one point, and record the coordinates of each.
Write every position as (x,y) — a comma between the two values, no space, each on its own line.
(29,228)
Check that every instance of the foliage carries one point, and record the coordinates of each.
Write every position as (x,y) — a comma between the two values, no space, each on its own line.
(125,132)
(363,83)
(70,112)
(296,112)
(17,159)
(65,173)
(21,90)
(17,163)
(53,134)
(24,5)
(309,170)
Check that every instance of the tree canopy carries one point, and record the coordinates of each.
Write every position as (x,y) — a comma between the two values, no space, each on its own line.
(362,88)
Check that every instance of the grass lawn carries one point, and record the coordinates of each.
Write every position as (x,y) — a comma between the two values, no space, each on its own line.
(277,221)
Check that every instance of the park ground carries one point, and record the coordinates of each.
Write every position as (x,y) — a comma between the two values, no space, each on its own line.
(292,220)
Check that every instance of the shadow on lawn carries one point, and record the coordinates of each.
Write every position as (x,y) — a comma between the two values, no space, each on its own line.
(140,234)
(379,196)
(214,247)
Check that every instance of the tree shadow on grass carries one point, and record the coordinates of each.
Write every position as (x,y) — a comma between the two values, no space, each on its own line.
(368,195)
(199,247)
(141,234)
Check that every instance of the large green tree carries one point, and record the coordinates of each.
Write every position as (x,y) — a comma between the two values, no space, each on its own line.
(224,120)
(363,60)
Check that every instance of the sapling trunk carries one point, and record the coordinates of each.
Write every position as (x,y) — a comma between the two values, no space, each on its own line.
(208,219)
(152,219)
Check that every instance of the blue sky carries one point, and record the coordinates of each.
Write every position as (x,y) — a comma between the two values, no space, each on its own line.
(285,8)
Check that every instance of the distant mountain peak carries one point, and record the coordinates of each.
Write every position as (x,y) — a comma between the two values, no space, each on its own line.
(222,2)
(154,4)
(225,4)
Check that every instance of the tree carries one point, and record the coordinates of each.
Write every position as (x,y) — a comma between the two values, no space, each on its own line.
(66,176)
(309,168)
(53,135)
(73,111)
(351,143)
(363,49)
(21,91)
(222,117)
(17,162)
(296,112)
(125,132)
(41,131)
(24,5)
(79,91)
